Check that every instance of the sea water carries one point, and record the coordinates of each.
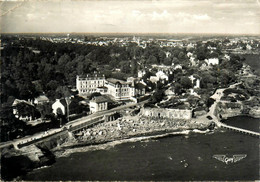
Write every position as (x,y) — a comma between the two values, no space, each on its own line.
(181,157)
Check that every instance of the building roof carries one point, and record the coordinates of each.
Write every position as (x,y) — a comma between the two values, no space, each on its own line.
(74,102)
(139,86)
(42,98)
(17,101)
(91,76)
(62,101)
(99,99)
(116,81)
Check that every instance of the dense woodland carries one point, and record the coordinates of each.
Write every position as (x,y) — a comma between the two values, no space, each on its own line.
(26,74)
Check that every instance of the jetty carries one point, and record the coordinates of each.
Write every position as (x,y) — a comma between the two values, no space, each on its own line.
(212,112)
(240,130)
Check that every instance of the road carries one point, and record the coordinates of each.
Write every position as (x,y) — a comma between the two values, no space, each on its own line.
(216,96)
(73,123)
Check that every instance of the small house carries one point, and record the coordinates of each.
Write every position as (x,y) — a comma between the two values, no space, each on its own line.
(212,61)
(24,110)
(162,76)
(98,103)
(59,104)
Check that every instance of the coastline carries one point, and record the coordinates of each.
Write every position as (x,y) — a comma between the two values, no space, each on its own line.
(127,129)
(66,151)
(110,144)
(154,134)
(138,143)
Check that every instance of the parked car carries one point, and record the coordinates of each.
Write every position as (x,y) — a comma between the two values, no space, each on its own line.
(209,117)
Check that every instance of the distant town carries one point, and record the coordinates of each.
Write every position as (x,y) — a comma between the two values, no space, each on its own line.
(103,88)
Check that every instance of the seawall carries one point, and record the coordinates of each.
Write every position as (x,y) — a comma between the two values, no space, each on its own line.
(17,162)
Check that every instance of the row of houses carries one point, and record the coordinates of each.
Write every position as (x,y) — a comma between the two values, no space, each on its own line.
(33,110)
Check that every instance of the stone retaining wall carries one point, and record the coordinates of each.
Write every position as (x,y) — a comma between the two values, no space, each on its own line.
(167,113)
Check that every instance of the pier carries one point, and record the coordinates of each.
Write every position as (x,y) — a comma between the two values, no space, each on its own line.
(240,130)
(212,112)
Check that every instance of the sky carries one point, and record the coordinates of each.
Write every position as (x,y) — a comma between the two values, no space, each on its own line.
(131,16)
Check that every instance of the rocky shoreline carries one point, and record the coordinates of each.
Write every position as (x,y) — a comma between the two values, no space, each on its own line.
(107,145)
(228,113)
(128,127)
(99,137)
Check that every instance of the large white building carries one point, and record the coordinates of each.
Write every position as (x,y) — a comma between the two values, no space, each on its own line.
(122,90)
(89,83)
(119,89)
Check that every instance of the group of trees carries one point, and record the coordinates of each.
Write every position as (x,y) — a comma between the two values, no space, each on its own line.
(26,74)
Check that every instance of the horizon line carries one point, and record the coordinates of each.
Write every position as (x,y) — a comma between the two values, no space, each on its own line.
(205,33)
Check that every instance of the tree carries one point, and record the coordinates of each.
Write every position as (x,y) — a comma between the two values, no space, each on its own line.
(167,61)
(181,56)
(62,91)
(27,90)
(157,96)
(161,56)
(178,88)
(44,109)
(175,60)
(125,67)
(113,63)
(60,115)
(208,79)
(134,67)
(52,85)
(225,76)
(185,82)
(118,75)
(63,60)
(235,62)
(147,75)
(201,52)
(152,60)
(84,67)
